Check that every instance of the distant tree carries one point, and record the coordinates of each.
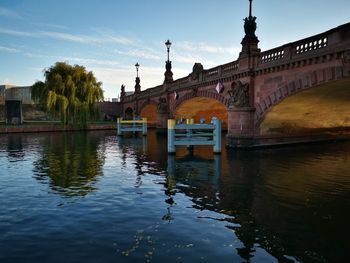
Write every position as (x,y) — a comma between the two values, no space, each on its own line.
(68,92)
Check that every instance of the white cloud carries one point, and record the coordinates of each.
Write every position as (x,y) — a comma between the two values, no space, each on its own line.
(109,36)
(8,49)
(90,61)
(204,47)
(8,13)
(6,81)
(65,36)
(97,39)
(117,39)
(191,58)
(113,78)
(48,25)
(36,55)
(146,53)
(16,32)
(79,60)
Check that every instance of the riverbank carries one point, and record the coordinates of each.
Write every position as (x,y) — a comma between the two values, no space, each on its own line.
(236,143)
(34,127)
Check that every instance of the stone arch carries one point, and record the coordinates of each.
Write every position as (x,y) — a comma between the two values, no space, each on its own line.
(201,93)
(148,110)
(315,109)
(206,107)
(309,80)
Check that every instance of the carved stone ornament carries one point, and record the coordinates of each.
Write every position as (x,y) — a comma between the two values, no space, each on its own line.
(346,57)
(122,91)
(162,105)
(196,70)
(239,95)
(194,91)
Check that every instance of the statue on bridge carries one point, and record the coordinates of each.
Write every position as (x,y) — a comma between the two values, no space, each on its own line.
(162,105)
(239,95)
(250,26)
(249,23)
(196,71)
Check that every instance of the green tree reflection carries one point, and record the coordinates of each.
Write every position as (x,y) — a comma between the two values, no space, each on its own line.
(70,163)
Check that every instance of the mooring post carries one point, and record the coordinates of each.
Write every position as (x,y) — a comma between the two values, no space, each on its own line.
(189,133)
(217,135)
(134,125)
(171,136)
(144,126)
(119,132)
(171,165)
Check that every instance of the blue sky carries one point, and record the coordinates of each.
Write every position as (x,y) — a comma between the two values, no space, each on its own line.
(110,36)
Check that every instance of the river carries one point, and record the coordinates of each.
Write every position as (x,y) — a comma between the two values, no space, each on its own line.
(96,197)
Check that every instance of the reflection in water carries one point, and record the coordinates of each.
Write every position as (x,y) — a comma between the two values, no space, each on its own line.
(71,162)
(15,148)
(286,201)
(287,205)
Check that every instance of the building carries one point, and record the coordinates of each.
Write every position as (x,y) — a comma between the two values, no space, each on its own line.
(16,105)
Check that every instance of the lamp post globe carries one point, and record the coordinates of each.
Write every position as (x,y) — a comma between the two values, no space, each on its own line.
(137,65)
(168,45)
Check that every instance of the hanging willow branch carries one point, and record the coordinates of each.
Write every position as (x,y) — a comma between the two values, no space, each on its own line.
(68,92)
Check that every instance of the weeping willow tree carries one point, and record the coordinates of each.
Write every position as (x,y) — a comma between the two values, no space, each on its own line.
(68,92)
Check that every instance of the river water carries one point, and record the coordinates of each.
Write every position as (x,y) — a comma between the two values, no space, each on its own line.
(94,197)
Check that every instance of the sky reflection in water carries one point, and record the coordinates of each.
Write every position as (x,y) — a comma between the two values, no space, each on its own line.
(94,197)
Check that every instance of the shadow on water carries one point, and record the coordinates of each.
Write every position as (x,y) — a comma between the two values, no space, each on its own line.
(15,150)
(70,163)
(289,202)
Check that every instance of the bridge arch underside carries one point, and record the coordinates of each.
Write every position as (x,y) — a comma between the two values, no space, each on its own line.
(149,111)
(202,107)
(318,109)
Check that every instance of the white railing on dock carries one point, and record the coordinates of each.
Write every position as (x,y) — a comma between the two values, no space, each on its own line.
(136,125)
(191,134)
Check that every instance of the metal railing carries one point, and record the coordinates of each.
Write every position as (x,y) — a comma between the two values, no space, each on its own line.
(136,125)
(191,134)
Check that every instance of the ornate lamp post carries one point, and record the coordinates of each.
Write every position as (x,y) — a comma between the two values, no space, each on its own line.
(168,45)
(137,65)
(137,80)
(168,74)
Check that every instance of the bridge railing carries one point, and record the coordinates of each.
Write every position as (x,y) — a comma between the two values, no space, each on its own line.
(317,44)
(220,70)
(272,55)
(145,93)
(232,66)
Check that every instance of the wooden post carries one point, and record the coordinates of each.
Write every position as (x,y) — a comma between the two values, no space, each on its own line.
(119,132)
(217,135)
(171,136)
(189,133)
(144,126)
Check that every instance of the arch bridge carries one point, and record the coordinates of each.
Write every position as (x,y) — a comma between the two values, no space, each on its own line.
(297,87)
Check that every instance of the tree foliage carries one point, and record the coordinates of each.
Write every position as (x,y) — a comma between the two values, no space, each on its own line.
(68,92)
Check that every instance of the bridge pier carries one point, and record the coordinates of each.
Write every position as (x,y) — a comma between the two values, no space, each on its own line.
(162,120)
(241,128)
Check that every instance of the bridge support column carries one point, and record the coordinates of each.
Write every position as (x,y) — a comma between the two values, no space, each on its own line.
(162,120)
(240,132)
